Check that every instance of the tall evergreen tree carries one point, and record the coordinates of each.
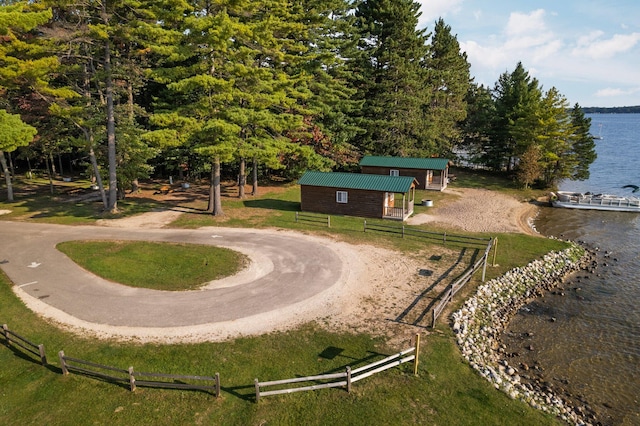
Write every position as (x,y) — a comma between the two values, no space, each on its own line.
(391,77)
(449,80)
(583,147)
(330,44)
(477,126)
(552,124)
(231,96)
(517,97)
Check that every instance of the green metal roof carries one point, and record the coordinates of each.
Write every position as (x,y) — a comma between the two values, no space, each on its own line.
(406,163)
(399,184)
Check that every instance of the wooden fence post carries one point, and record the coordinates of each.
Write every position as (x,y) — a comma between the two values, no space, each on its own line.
(296,216)
(348,379)
(257,384)
(132,379)
(402,231)
(5,329)
(63,364)
(416,353)
(365,225)
(495,250)
(217,385)
(328,221)
(484,266)
(43,357)
(444,239)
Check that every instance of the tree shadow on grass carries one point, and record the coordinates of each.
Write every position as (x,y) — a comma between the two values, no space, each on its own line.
(273,204)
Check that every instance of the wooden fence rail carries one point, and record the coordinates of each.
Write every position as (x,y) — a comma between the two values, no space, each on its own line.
(413,232)
(133,378)
(306,217)
(348,377)
(452,289)
(14,338)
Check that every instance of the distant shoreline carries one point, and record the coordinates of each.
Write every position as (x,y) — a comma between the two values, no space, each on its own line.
(612,110)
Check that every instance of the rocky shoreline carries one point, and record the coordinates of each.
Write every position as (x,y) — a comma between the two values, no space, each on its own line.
(482,319)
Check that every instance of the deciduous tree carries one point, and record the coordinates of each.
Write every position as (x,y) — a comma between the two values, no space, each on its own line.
(13,133)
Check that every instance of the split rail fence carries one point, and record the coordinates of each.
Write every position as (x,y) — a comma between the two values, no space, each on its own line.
(453,288)
(14,338)
(307,217)
(406,231)
(134,378)
(345,379)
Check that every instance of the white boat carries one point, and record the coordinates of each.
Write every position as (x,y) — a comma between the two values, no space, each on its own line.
(589,201)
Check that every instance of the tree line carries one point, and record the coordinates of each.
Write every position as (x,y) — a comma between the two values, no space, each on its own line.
(128,88)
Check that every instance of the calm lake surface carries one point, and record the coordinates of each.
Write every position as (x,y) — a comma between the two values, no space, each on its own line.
(592,348)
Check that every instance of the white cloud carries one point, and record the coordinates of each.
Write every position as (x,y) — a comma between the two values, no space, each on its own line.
(434,9)
(592,46)
(613,92)
(521,23)
(525,38)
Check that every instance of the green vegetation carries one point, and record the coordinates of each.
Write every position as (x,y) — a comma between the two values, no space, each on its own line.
(159,266)
(261,88)
(66,203)
(445,392)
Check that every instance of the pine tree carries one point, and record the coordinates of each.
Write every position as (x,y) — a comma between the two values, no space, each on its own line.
(477,126)
(517,98)
(391,78)
(554,139)
(230,94)
(330,44)
(583,147)
(449,82)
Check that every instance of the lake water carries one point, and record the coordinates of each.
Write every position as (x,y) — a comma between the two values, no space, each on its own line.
(584,340)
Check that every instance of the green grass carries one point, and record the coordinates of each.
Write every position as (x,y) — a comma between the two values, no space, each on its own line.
(63,203)
(447,391)
(159,266)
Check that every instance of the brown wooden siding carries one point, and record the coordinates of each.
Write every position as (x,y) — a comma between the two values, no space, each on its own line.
(323,200)
(419,175)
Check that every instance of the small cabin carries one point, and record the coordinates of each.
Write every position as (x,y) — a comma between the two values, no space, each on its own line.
(431,173)
(357,194)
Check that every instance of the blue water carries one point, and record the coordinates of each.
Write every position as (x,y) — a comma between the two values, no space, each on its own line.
(593,347)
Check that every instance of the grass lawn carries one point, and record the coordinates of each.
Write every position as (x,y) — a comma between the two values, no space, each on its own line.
(159,266)
(445,392)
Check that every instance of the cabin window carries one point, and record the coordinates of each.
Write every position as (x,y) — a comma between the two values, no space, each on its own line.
(342,197)
(393,172)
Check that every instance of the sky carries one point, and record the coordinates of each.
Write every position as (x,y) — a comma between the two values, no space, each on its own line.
(588,50)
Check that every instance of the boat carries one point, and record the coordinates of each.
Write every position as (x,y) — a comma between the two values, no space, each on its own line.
(599,135)
(589,201)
